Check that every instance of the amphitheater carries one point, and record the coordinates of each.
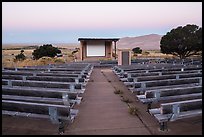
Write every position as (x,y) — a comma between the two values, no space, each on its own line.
(103,98)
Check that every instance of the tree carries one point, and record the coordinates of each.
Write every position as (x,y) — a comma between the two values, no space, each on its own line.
(45,50)
(137,50)
(20,57)
(182,41)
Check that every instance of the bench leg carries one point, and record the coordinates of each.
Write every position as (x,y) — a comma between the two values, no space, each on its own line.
(61,128)
(148,107)
(163,126)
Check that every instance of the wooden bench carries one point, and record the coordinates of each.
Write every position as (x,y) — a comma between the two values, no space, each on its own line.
(44,91)
(45,84)
(162,77)
(160,73)
(176,110)
(58,114)
(68,69)
(168,94)
(131,76)
(32,73)
(154,68)
(47,68)
(44,78)
(69,97)
(141,87)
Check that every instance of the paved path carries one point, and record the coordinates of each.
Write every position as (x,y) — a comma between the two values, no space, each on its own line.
(102,111)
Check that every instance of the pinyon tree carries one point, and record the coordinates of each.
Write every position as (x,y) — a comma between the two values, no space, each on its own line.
(182,41)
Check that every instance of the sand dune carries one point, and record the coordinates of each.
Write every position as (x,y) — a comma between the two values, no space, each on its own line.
(146,42)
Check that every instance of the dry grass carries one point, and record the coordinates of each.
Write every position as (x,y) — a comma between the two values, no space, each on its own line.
(8,56)
(126,100)
(118,92)
(133,110)
(151,54)
(30,62)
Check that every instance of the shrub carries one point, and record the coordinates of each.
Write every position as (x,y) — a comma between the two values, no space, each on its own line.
(59,60)
(75,51)
(146,53)
(133,110)
(45,61)
(126,100)
(20,57)
(118,92)
(136,51)
(45,50)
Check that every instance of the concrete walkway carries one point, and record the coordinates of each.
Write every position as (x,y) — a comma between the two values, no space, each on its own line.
(102,111)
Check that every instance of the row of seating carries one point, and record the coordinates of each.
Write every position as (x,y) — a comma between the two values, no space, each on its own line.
(41,92)
(195,61)
(172,89)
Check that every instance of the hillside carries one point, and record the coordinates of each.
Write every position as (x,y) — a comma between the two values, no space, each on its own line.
(146,42)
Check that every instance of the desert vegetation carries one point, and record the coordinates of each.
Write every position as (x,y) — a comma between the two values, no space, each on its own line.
(133,110)
(136,51)
(118,92)
(46,50)
(10,52)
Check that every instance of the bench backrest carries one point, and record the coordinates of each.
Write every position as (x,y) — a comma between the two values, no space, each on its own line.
(37,108)
(37,92)
(171,82)
(32,73)
(180,106)
(44,78)
(45,84)
(172,92)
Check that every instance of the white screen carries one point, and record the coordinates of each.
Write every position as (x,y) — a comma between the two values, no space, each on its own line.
(95,50)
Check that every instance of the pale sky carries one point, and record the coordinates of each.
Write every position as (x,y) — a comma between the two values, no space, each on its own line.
(65,22)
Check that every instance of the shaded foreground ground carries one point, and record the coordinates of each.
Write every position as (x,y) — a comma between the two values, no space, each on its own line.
(102,112)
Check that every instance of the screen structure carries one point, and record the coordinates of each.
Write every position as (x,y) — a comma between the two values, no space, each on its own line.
(95,49)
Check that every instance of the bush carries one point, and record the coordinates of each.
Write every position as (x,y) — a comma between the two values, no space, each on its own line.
(75,51)
(20,57)
(118,92)
(59,60)
(146,53)
(45,50)
(133,110)
(126,100)
(136,51)
(45,61)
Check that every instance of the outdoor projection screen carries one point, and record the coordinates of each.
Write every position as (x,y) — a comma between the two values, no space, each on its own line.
(95,50)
